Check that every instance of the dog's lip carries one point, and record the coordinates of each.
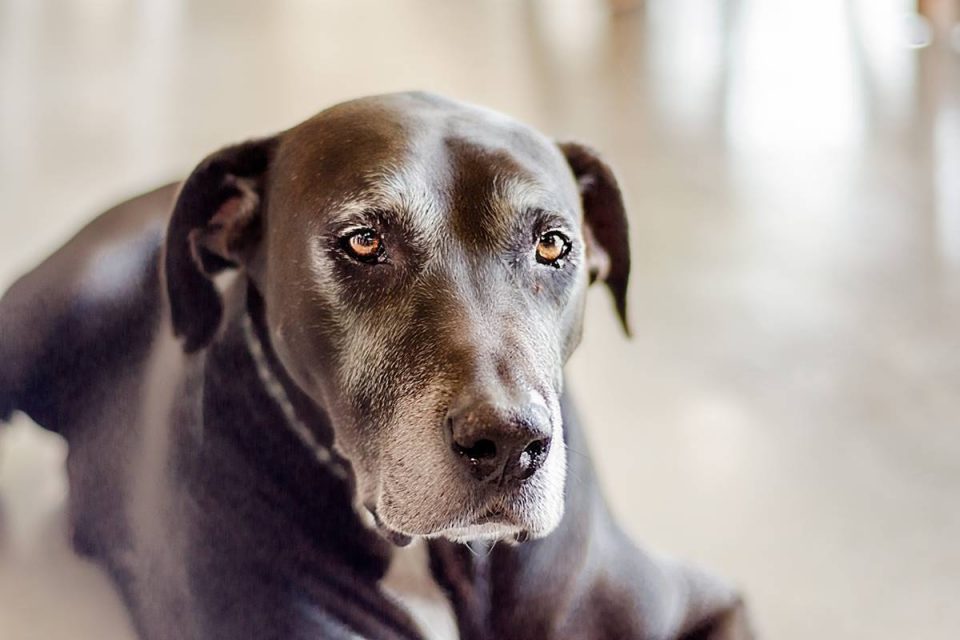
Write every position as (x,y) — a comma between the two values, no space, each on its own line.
(395,537)
(499,516)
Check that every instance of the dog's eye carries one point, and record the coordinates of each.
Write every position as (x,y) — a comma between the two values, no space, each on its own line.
(364,244)
(552,247)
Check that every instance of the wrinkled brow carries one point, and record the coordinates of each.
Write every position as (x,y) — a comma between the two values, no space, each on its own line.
(512,194)
(510,205)
(403,195)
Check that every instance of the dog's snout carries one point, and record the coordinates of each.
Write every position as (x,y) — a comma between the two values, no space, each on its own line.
(498,445)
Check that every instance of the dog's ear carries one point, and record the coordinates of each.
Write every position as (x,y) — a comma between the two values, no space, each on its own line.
(605,223)
(214,226)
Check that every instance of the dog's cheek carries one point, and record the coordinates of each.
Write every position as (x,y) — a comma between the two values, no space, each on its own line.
(571,317)
(421,490)
(303,331)
(365,475)
(539,350)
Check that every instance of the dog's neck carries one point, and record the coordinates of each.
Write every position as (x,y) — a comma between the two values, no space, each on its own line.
(256,419)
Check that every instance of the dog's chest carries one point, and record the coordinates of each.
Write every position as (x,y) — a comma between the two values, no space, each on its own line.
(409,581)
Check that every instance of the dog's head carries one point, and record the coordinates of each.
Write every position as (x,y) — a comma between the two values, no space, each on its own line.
(423,265)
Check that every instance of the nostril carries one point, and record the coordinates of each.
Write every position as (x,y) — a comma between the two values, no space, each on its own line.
(535,448)
(479,450)
(532,457)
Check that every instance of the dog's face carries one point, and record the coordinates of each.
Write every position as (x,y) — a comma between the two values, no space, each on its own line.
(423,265)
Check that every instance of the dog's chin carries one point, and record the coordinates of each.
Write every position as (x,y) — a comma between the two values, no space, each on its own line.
(481,531)
(488,532)
(490,525)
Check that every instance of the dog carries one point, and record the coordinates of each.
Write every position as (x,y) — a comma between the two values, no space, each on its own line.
(329,343)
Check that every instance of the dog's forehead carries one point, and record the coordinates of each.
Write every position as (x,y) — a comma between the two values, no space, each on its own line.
(420,152)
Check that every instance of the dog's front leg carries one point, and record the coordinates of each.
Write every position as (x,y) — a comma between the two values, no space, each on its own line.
(586,580)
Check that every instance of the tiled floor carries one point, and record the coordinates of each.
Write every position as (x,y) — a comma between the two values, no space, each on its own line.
(789,410)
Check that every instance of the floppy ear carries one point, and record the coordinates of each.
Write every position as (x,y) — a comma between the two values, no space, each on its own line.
(214,226)
(605,223)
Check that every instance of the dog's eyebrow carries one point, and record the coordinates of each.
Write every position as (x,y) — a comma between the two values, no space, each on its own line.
(353,209)
(514,194)
(390,191)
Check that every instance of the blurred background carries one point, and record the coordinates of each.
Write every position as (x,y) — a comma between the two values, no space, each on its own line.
(788,411)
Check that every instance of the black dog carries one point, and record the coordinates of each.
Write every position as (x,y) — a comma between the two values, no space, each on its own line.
(386,364)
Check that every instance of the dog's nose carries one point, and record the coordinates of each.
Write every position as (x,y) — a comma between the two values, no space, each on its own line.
(498,445)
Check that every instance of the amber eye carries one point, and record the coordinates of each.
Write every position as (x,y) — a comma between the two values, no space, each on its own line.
(365,244)
(551,247)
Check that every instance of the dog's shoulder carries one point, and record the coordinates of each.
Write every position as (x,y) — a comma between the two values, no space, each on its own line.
(83,313)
